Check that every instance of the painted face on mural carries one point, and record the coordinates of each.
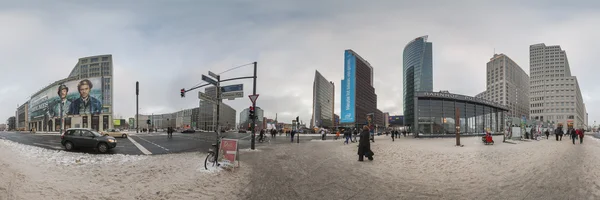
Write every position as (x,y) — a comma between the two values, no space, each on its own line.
(63,93)
(84,91)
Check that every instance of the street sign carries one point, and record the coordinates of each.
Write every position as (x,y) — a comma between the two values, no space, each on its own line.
(205,97)
(232,88)
(232,95)
(253,98)
(209,80)
(212,74)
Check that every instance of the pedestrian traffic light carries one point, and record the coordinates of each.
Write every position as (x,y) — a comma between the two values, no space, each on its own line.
(182,92)
(147,121)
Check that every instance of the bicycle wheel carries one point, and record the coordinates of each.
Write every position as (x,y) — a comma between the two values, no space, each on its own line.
(210,158)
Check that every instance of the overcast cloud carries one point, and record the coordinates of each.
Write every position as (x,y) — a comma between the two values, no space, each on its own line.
(167,45)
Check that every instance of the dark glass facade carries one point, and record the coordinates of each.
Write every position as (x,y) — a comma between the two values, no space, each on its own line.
(436,115)
(323,102)
(365,97)
(417,73)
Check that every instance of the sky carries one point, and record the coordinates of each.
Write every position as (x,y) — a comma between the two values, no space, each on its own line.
(168,45)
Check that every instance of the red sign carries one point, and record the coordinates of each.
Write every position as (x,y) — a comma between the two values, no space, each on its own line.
(229,150)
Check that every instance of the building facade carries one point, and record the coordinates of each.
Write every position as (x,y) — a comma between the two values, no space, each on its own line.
(22,117)
(417,72)
(507,84)
(12,123)
(82,100)
(323,102)
(358,94)
(554,95)
(245,122)
(436,114)
(386,121)
(206,119)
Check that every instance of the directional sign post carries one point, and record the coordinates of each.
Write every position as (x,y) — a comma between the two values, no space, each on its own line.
(205,97)
(209,80)
(232,95)
(212,74)
(232,91)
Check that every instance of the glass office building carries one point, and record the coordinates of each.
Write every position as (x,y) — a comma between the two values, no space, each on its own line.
(417,73)
(435,114)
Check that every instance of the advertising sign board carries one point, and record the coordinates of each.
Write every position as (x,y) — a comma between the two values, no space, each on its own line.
(117,122)
(348,89)
(228,151)
(76,97)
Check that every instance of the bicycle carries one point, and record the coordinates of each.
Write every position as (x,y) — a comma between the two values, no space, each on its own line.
(211,157)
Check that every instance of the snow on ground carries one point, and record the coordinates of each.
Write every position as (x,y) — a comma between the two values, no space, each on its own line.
(28,172)
(432,168)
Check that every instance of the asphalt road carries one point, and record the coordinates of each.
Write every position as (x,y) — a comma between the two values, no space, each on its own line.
(149,143)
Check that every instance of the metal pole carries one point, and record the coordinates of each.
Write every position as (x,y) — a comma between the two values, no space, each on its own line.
(457,124)
(218,89)
(253,106)
(137,108)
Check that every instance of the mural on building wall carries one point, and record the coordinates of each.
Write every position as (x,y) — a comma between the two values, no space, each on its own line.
(77,97)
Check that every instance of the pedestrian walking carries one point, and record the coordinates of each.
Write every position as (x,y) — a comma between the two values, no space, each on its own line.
(547,134)
(574,134)
(393,134)
(580,133)
(347,135)
(558,133)
(292,134)
(354,133)
(364,146)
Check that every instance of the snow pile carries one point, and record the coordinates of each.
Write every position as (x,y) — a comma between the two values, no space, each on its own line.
(250,150)
(67,158)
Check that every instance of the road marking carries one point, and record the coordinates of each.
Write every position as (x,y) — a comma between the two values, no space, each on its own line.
(246,137)
(154,144)
(50,146)
(139,146)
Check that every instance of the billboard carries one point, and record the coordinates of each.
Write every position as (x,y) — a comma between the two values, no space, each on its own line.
(397,120)
(117,122)
(77,97)
(348,89)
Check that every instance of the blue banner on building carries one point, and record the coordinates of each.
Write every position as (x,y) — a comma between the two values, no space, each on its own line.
(348,89)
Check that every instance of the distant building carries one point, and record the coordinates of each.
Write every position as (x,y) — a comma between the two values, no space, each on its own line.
(508,85)
(357,94)
(11,123)
(554,92)
(336,121)
(417,73)
(245,122)
(386,121)
(323,102)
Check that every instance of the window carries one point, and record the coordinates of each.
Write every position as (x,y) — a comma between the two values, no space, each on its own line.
(94,60)
(104,58)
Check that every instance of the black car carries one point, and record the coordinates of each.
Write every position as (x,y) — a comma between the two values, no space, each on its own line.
(188,131)
(87,138)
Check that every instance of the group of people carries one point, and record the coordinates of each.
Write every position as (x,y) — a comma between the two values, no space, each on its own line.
(574,133)
(396,134)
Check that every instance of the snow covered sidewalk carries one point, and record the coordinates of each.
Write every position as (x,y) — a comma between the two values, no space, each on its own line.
(28,172)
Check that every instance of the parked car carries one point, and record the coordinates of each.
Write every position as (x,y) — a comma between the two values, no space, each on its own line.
(87,138)
(188,131)
(114,133)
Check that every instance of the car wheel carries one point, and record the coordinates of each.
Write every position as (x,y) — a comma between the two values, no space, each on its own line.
(68,146)
(102,147)
(124,136)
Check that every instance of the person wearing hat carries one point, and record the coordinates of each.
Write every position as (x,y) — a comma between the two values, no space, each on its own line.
(61,109)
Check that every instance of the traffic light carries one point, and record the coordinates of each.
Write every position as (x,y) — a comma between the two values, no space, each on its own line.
(182,92)
(251,112)
(147,121)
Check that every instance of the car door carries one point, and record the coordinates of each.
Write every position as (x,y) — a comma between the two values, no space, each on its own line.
(75,137)
(88,139)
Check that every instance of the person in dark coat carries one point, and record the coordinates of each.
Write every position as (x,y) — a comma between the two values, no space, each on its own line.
(547,134)
(581,134)
(573,133)
(364,145)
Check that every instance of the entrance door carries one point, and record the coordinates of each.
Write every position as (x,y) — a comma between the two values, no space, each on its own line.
(95,122)
(50,125)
